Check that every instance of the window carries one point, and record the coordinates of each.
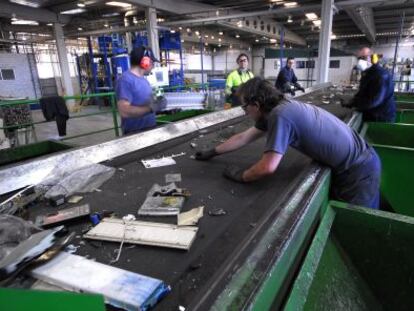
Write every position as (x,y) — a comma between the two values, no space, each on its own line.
(300,64)
(334,64)
(310,64)
(7,74)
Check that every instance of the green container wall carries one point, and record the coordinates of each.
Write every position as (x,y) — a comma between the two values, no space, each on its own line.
(397,177)
(400,135)
(30,151)
(162,119)
(359,259)
(405,105)
(23,300)
(405,116)
(404,97)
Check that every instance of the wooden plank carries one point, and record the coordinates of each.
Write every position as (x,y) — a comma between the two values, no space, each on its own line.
(144,233)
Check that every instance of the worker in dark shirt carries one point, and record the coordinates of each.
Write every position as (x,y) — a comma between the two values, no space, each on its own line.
(286,80)
(375,97)
(315,132)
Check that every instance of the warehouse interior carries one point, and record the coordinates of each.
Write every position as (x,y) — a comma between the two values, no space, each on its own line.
(141,167)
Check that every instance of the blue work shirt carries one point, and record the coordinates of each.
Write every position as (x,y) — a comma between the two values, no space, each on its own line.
(315,132)
(138,92)
(375,97)
(285,75)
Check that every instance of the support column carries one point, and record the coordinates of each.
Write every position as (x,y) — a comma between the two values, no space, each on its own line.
(63,63)
(325,40)
(152,31)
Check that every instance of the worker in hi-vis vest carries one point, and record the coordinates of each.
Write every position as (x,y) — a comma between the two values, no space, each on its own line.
(237,77)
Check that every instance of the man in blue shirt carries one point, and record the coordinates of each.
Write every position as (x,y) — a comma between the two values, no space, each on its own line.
(315,132)
(375,97)
(286,81)
(134,93)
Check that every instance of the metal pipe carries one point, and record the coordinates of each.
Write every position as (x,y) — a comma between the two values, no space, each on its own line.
(397,43)
(279,11)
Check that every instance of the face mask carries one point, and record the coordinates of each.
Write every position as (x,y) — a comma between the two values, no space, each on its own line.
(363,64)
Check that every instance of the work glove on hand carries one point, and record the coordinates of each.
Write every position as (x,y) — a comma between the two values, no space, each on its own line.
(299,87)
(234,172)
(158,104)
(205,155)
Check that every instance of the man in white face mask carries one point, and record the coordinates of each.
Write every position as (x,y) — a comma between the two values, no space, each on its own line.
(375,97)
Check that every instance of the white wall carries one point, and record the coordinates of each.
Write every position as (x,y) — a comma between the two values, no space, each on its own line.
(225,60)
(405,50)
(22,86)
(336,75)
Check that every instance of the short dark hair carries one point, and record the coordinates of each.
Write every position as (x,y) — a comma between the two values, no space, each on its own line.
(261,91)
(240,56)
(290,58)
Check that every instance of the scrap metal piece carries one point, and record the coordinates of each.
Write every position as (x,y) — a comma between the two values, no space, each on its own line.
(167,190)
(19,200)
(26,251)
(120,288)
(75,199)
(165,161)
(161,206)
(63,215)
(191,217)
(171,178)
(217,212)
(144,233)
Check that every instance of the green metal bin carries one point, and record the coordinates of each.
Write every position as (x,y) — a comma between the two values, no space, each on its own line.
(390,134)
(25,152)
(359,259)
(405,116)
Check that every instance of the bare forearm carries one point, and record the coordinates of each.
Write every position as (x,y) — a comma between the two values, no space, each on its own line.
(239,140)
(266,166)
(126,110)
(255,172)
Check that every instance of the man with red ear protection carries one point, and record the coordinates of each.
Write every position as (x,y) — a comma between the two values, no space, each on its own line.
(134,93)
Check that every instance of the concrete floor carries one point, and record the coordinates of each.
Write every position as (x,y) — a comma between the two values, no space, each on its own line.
(78,126)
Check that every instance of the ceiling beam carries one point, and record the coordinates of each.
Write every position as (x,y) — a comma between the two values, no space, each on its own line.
(363,17)
(172,6)
(184,7)
(23,12)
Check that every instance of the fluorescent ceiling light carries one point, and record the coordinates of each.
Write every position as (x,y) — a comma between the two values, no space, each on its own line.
(33,4)
(120,4)
(257,40)
(311,16)
(333,36)
(290,4)
(110,14)
(273,40)
(237,36)
(49,24)
(81,4)
(73,11)
(24,22)
(290,19)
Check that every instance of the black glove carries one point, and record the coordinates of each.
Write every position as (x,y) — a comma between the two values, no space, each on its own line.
(234,172)
(299,87)
(205,155)
(292,92)
(158,104)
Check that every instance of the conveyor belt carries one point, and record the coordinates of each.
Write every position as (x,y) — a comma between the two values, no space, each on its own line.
(219,236)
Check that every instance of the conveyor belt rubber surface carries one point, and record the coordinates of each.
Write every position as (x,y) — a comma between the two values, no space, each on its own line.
(219,236)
